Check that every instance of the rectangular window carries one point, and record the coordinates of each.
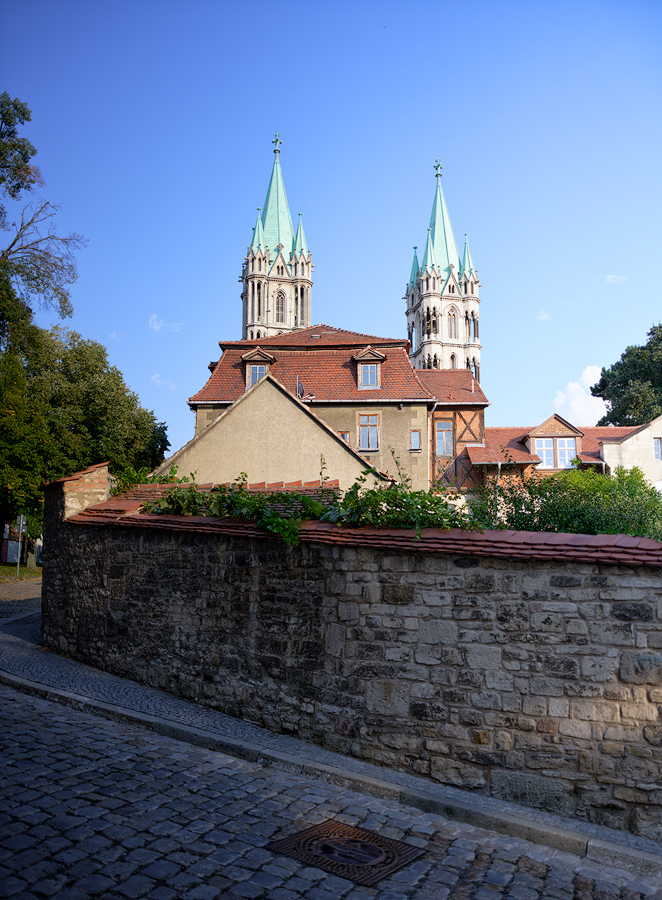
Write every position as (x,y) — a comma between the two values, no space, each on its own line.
(255,373)
(345,436)
(566,452)
(545,450)
(444,439)
(369,432)
(657,447)
(415,442)
(369,376)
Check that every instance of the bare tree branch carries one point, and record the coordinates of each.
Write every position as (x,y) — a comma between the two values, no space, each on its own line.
(40,262)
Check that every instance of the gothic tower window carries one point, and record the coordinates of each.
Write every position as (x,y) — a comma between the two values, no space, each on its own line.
(280,308)
(452,325)
(476,328)
(435,362)
(259,301)
(252,301)
(253,265)
(453,361)
(472,287)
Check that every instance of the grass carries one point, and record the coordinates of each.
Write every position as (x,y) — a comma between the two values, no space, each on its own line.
(8,572)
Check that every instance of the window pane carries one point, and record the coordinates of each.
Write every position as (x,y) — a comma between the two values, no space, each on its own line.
(545,450)
(657,444)
(567,452)
(369,375)
(416,440)
(368,433)
(257,372)
(444,434)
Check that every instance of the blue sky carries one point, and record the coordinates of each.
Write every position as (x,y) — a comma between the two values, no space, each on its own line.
(154,120)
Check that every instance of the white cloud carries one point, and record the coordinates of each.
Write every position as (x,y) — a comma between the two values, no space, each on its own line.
(115,336)
(543,317)
(162,382)
(575,402)
(157,324)
(615,279)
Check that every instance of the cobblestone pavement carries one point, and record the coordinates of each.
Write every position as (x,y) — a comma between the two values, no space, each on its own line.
(90,808)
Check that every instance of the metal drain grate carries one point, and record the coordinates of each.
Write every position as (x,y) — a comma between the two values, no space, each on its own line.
(353,853)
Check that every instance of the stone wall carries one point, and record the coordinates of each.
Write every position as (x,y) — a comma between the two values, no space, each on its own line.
(538,681)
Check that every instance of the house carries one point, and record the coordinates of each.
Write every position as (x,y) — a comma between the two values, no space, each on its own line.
(553,445)
(361,388)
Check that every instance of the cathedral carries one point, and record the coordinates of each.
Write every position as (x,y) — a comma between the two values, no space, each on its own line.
(277,274)
(442,295)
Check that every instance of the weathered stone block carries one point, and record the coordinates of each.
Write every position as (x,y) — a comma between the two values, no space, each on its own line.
(534,790)
(463,775)
(483,656)
(640,667)
(437,631)
(398,593)
(388,698)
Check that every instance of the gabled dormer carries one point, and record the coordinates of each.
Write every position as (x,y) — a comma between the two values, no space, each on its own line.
(256,363)
(369,369)
(556,442)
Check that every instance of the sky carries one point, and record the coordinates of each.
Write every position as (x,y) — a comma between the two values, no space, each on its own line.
(154,120)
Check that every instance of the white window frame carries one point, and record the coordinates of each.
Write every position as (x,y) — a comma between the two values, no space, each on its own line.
(657,448)
(374,380)
(415,443)
(544,447)
(566,451)
(369,432)
(253,373)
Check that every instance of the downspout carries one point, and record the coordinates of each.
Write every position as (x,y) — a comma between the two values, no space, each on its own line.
(496,495)
(430,439)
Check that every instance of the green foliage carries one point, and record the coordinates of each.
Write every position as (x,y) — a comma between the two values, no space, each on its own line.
(395,506)
(17,174)
(632,387)
(63,408)
(573,501)
(130,477)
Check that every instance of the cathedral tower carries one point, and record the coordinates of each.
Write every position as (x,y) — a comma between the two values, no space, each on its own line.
(442,298)
(277,274)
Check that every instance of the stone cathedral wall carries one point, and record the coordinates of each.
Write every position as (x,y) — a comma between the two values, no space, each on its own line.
(538,681)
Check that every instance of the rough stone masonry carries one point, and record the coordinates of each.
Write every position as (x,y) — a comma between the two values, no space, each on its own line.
(535,680)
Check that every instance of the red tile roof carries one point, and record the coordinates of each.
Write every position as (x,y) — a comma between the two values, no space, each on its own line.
(330,375)
(507,445)
(452,385)
(317,336)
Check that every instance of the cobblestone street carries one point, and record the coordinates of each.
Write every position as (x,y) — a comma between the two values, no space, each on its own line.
(91,808)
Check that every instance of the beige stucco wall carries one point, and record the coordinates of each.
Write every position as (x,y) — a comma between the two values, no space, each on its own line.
(271,438)
(637,451)
(395,426)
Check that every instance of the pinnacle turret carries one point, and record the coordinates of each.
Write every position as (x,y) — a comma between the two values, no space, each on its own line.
(415,269)
(467,263)
(300,245)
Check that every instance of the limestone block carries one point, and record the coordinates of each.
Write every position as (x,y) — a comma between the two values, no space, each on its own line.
(437,631)
(388,698)
(547,622)
(551,794)
(647,821)
(640,667)
(463,775)
(483,656)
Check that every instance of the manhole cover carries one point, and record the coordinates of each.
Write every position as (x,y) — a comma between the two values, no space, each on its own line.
(353,853)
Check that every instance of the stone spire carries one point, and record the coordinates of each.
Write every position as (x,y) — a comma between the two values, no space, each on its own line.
(467,262)
(276,218)
(443,240)
(415,269)
(278,269)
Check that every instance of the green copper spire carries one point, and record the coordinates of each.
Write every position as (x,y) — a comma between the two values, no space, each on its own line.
(415,269)
(258,234)
(276,219)
(467,262)
(428,261)
(300,245)
(443,240)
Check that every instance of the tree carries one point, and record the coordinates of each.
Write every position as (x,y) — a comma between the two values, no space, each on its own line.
(39,263)
(17,173)
(632,387)
(62,408)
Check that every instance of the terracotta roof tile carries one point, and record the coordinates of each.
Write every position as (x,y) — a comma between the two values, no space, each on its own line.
(452,385)
(326,376)
(507,444)
(316,336)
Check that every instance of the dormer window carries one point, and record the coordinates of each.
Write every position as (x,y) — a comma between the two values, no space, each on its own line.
(254,374)
(369,369)
(257,364)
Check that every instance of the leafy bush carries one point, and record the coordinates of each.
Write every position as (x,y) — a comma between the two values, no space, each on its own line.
(394,506)
(574,501)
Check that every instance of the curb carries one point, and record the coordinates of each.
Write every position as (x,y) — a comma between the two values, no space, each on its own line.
(466,811)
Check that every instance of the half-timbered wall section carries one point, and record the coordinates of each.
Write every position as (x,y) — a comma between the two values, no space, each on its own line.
(467,428)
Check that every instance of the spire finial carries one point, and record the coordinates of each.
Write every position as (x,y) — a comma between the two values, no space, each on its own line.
(415,248)
(438,167)
(277,141)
